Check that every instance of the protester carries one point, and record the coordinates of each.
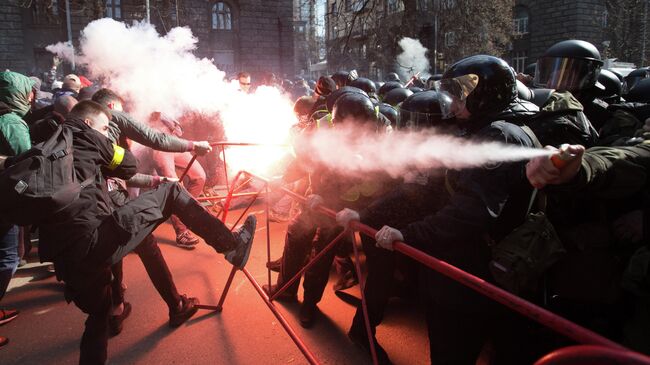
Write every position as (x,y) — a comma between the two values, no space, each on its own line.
(86,237)
(16,96)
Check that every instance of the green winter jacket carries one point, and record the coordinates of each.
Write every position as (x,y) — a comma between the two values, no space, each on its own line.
(14,104)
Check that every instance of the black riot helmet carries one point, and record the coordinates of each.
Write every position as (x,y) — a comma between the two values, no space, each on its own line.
(388,86)
(325,86)
(392,77)
(524,92)
(416,89)
(390,113)
(480,85)
(431,81)
(366,85)
(356,108)
(618,74)
(640,93)
(344,78)
(571,65)
(396,96)
(303,105)
(613,87)
(421,110)
(634,77)
(530,69)
(331,99)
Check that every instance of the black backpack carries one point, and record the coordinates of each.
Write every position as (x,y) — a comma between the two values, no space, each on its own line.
(41,181)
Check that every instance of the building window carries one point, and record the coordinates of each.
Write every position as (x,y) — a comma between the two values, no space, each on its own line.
(450,39)
(221,16)
(393,5)
(114,9)
(357,5)
(519,60)
(520,21)
(424,5)
(447,4)
(55,7)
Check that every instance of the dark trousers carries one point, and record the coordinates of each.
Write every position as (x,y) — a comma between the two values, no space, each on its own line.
(405,204)
(157,269)
(122,233)
(304,234)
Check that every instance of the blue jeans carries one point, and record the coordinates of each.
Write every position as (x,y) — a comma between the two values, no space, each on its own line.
(9,258)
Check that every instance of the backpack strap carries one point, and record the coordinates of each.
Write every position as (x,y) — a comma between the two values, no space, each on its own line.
(542,196)
(532,136)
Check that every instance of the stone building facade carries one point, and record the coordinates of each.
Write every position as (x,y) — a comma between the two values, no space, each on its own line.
(239,35)
(538,24)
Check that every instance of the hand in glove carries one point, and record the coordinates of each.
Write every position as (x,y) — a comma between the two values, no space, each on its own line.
(386,236)
(345,216)
(313,201)
(202,147)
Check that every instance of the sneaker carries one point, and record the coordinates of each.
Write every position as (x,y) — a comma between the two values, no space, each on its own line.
(186,239)
(284,297)
(359,337)
(274,265)
(116,323)
(188,309)
(244,237)
(7,315)
(307,314)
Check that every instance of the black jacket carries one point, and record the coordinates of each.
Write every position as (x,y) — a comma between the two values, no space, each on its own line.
(69,235)
(123,126)
(487,203)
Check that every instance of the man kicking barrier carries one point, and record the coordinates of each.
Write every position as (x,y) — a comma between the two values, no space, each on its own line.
(87,237)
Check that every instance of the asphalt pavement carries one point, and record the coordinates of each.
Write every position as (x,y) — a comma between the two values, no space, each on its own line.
(48,329)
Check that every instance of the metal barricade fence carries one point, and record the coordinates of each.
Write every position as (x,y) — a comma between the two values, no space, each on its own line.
(594,346)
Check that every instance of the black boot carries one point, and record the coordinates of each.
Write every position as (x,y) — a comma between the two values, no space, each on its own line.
(201,222)
(359,337)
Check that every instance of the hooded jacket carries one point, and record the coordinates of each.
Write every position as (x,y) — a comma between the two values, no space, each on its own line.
(562,120)
(68,235)
(14,104)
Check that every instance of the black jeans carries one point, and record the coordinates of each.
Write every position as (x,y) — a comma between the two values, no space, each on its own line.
(303,234)
(123,232)
(157,269)
(405,204)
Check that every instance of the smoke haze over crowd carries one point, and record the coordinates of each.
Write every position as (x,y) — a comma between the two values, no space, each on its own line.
(160,73)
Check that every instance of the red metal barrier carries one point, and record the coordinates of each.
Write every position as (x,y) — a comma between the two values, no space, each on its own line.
(522,306)
(599,348)
(593,355)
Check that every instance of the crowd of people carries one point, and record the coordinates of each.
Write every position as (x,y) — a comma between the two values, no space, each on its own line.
(568,232)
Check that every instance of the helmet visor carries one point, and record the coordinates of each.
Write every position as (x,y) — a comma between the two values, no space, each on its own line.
(453,93)
(566,74)
(415,121)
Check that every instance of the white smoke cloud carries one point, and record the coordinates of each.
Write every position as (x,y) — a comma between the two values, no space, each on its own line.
(349,152)
(62,49)
(161,73)
(413,59)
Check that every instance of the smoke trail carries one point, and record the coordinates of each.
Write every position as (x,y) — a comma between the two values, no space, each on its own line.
(413,59)
(62,49)
(349,152)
